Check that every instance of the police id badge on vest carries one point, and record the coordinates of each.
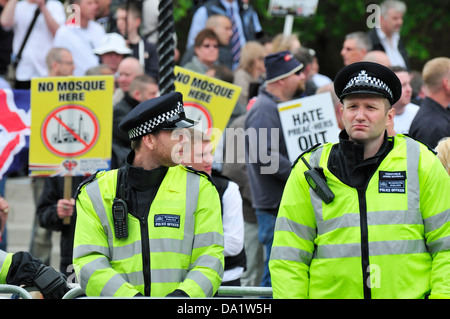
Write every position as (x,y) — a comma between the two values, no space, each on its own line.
(392,182)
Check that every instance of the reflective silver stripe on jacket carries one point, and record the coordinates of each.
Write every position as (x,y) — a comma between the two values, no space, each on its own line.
(301,231)
(291,253)
(412,174)
(103,262)
(199,240)
(392,247)
(3,255)
(314,161)
(433,223)
(410,216)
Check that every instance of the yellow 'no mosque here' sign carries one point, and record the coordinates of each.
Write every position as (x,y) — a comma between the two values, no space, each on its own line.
(207,100)
(71,125)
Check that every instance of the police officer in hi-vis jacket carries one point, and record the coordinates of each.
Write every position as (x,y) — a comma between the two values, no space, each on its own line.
(152,227)
(367,217)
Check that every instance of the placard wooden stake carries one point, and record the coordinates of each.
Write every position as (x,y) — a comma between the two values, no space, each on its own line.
(67,195)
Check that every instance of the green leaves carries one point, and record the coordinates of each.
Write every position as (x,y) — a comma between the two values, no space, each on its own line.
(424,31)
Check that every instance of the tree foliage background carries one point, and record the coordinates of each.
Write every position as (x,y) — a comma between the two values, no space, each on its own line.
(426,28)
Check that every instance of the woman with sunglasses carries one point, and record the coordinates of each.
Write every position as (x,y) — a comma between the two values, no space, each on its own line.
(206,48)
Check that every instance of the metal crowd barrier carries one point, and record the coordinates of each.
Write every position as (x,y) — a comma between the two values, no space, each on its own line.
(233,291)
(224,291)
(76,291)
(16,291)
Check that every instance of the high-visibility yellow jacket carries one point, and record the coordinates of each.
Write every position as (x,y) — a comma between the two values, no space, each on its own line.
(389,240)
(187,257)
(5,262)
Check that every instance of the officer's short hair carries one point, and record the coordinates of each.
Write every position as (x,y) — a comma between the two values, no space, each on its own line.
(397,69)
(136,142)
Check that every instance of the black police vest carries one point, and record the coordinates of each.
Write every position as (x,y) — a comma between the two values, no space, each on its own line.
(240,260)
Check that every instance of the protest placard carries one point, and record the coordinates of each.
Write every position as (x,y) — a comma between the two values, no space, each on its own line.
(71,125)
(298,8)
(207,100)
(308,121)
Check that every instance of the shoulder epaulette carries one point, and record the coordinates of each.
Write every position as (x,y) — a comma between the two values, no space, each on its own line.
(312,148)
(424,144)
(200,173)
(216,173)
(85,182)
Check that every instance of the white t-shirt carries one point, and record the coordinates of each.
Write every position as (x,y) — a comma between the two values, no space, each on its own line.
(81,43)
(233,228)
(403,121)
(320,80)
(40,41)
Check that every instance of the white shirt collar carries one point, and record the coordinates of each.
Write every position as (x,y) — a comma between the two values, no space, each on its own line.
(383,37)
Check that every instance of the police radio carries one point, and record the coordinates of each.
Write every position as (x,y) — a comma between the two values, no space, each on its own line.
(120,207)
(316,179)
(120,212)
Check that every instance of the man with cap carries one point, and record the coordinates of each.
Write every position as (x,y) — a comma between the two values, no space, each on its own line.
(267,160)
(151,227)
(112,50)
(368,217)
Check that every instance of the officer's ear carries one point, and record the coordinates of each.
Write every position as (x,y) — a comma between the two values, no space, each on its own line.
(390,114)
(390,121)
(149,141)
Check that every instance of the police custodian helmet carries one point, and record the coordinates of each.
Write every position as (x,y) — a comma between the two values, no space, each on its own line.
(163,112)
(368,77)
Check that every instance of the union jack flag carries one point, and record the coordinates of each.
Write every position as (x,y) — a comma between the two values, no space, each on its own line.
(15,120)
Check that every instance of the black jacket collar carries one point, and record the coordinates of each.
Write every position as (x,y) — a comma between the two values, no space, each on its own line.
(348,164)
(355,152)
(130,101)
(142,179)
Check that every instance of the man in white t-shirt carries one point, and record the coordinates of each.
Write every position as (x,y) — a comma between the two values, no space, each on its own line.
(81,36)
(405,111)
(198,155)
(17,15)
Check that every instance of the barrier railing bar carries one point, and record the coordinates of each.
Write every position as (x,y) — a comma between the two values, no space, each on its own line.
(224,291)
(15,290)
(230,291)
